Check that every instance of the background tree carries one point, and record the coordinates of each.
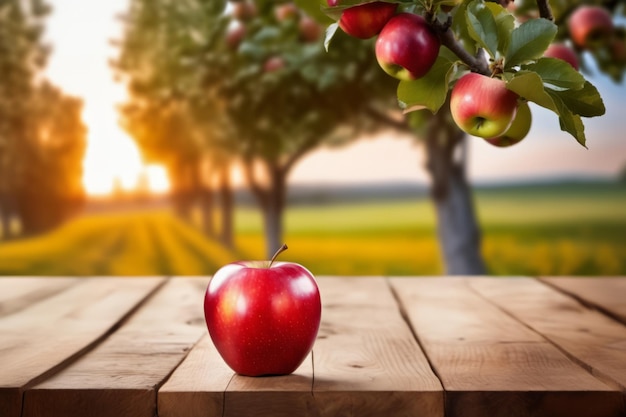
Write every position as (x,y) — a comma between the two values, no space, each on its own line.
(287,96)
(168,113)
(49,185)
(269,94)
(483,37)
(41,133)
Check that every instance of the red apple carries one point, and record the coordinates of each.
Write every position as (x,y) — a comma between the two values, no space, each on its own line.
(263,317)
(563,52)
(310,30)
(244,10)
(590,26)
(365,20)
(274,63)
(407,47)
(482,106)
(517,131)
(234,35)
(286,11)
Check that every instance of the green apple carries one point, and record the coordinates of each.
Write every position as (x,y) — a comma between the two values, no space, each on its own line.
(517,131)
(482,106)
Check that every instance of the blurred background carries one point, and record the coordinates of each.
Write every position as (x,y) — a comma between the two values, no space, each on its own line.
(152,137)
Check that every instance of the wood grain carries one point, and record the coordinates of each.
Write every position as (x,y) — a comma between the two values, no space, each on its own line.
(366,360)
(606,293)
(590,338)
(120,376)
(491,364)
(17,293)
(275,396)
(514,347)
(42,338)
(197,386)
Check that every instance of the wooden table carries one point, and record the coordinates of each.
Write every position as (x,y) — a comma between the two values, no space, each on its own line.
(466,347)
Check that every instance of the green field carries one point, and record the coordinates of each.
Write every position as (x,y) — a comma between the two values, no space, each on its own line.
(549,230)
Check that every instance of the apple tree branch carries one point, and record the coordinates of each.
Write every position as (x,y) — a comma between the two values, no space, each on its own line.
(476,63)
(544,10)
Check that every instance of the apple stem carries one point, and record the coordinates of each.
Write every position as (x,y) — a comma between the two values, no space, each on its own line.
(278,252)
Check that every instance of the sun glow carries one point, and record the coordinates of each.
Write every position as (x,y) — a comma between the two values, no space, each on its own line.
(112,160)
(79,64)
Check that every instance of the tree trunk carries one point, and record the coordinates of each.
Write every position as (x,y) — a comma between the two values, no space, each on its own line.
(206,209)
(182,195)
(226,207)
(273,210)
(271,199)
(458,230)
(5,217)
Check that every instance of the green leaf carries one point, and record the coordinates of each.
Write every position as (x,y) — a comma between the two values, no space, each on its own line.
(529,85)
(335,12)
(570,122)
(505,22)
(557,74)
(330,33)
(529,41)
(314,9)
(460,27)
(482,27)
(428,92)
(569,105)
(585,102)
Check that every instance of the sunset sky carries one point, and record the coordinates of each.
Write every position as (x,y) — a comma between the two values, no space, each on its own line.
(80,34)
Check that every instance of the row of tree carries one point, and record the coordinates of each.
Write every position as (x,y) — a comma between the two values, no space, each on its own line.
(42,137)
(211,86)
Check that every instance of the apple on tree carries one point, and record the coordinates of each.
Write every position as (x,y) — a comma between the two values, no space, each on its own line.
(235,35)
(563,52)
(274,63)
(502,45)
(365,20)
(310,30)
(590,26)
(244,10)
(286,11)
(263,316)
(482,106)
(407,47)
(517,131)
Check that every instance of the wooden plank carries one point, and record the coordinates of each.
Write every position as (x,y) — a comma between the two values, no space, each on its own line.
(366,360)
(41,339)
(122,374)
(605,293)
(17,293)
(276,396)
(490,364)
(197,386)
(593,340)
(203,385)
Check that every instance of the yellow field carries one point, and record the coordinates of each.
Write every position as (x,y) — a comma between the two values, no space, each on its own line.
(536,232)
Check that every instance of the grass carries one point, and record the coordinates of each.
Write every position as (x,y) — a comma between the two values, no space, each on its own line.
(534,230)
(551,230)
